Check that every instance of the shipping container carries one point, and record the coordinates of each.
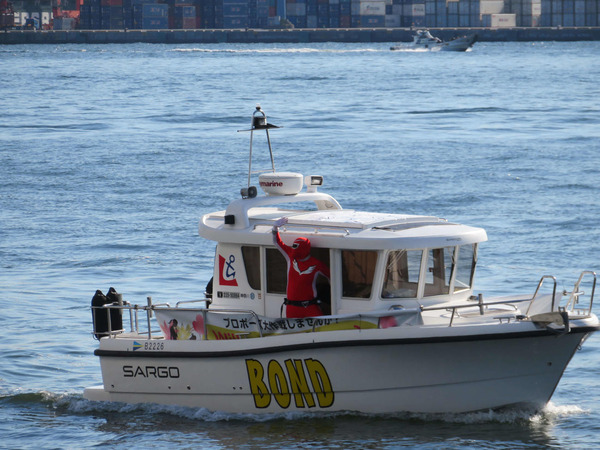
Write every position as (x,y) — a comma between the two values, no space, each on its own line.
(297,21)
(392,21)
(452,20)
(503,20)
(452,8)
(372,21)
(431,7)
(235,9)
(151,23)
(183,17)
(235,22)
(418,21)
(418,9)
(151,10)
(150,16)
(296,9)
(63,23)
(372,8)
(591,13)
(568,20)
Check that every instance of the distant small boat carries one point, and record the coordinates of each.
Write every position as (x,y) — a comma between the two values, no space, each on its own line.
(425,41)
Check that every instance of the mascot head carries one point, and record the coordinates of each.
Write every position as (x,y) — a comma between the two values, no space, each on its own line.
(301,248)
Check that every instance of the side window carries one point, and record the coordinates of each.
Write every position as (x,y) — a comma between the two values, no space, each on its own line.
(358,269)
(276,272)
(251,256)
(440,264)
(402,274)
(467,259)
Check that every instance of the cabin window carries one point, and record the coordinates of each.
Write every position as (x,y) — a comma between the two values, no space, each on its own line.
(467,259)
(402,274)
(251,256)
(358,269)
(440,264)
(276,272)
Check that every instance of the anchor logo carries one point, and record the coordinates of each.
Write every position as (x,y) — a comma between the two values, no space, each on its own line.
(227,271)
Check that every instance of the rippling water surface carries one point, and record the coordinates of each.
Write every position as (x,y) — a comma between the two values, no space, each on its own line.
(110,154)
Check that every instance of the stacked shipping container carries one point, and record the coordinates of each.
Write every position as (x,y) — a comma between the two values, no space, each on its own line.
(182,14)
(122,14)
(40,10)
(569,13)
(182,17)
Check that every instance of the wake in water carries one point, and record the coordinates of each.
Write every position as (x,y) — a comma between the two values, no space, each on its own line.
(76,404)
(274,50)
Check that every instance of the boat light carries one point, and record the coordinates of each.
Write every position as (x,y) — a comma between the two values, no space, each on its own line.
(312,181)
(249,192)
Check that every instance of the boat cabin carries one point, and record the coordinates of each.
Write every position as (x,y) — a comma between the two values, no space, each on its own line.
(377,261)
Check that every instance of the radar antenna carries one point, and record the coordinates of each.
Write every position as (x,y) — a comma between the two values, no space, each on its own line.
(259,122)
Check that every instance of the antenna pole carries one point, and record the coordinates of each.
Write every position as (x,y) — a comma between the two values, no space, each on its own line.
(270,150)
(250,162)
(259,122)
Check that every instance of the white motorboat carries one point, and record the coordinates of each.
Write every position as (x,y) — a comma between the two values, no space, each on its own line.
(423,40)
(401,328)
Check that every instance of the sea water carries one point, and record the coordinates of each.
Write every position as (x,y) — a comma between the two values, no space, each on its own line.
(110,154)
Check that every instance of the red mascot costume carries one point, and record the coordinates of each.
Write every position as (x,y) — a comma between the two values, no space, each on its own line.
(302,270)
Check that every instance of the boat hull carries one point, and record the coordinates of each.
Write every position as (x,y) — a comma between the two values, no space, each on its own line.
(461,44)
(451,374)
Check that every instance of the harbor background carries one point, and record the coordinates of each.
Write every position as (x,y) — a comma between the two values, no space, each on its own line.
(296,36)
(110,154)
(251,21)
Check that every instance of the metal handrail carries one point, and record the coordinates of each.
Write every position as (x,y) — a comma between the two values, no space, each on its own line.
(134,322)
(374,314)
(476,305)
(574,297)
(538,289)
(134,309)
(190,301)
(480,304)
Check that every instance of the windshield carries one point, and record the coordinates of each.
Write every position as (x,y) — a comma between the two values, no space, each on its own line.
(402,274)
(446,268)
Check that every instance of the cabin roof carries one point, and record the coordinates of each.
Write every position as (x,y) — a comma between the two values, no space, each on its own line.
(333,227)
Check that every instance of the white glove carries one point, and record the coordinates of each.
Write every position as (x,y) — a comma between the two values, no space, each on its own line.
(280,222)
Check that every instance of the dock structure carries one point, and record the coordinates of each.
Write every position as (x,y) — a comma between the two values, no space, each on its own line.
(305,35)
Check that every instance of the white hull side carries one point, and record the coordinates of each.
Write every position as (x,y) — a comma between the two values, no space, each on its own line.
(425,377)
